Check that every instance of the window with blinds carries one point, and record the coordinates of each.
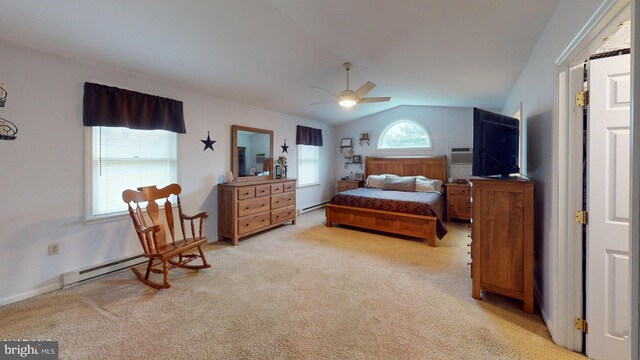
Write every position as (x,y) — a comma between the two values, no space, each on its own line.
(123,158)
(308,165)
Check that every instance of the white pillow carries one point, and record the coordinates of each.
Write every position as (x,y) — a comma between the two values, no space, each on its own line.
(376,181)
(428,185)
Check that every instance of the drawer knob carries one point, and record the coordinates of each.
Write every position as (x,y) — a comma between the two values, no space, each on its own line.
(247,208)
(246,224)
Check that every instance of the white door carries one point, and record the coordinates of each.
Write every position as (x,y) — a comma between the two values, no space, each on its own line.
(608,170)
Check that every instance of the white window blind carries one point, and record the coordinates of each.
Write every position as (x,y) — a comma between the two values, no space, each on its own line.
(308,165)
(124,158)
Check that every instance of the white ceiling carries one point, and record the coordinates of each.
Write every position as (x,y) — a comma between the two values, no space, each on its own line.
(269,53)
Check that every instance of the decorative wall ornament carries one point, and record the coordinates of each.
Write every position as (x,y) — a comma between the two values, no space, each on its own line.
(285,147)
(208,144)
(364,137)
(8,130)
(3,95)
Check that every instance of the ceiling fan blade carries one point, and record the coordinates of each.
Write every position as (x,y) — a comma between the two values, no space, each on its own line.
(374,99)
(323,102)
(326,92)
(364,89)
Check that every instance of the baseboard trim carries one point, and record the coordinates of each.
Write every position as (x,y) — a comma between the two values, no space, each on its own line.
(538,295)
(29,294)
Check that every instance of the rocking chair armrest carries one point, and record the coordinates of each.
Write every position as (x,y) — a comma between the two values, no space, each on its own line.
(144,230)
(202,215)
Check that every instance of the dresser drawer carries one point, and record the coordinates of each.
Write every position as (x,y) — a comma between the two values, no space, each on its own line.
(253,222)
(246,192)
(289,186)
(282,200)
(283,214)
(349,185)
(253,206)
(263,190)
(276,188)
(458,190)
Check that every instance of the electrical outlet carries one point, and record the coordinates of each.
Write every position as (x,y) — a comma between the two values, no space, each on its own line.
(54,249)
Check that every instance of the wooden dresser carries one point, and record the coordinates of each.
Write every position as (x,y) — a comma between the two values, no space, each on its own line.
(349,184)
(249,207)
(502,238)
(458,201)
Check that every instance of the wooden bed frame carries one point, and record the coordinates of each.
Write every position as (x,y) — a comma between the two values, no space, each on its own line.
(424,227)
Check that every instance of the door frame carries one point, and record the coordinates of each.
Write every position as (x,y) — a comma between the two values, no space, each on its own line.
(634,323)
(567,161)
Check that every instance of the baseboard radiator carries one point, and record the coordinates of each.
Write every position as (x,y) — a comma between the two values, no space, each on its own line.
(76,277)
(311,208)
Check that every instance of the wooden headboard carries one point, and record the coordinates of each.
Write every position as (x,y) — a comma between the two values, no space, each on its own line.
(432,167)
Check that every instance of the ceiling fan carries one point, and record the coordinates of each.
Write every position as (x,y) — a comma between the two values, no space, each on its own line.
(349,98)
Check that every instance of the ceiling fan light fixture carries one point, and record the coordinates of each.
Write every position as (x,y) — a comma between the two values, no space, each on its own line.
(347,102)
(347,98)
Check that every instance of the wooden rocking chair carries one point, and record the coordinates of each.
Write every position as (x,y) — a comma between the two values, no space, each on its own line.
(153,238)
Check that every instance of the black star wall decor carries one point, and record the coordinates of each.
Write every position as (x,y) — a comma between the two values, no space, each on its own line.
(285,147)
(208,144)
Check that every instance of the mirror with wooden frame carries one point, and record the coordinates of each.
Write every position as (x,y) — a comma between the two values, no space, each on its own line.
(251,153)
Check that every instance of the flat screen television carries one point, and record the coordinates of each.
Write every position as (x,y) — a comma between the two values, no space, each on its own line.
(496,140)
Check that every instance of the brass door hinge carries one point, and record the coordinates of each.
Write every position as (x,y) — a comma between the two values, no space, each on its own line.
(582,217)
(582,98)
(581,324)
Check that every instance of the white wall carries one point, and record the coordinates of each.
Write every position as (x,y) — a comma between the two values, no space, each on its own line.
(42,172)
(535,89)
(448,126)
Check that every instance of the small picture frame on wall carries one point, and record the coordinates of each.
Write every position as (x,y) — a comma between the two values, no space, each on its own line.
(359,176)
(356,159)
(346,142)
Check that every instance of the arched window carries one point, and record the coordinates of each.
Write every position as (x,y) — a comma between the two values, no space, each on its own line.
(405,134)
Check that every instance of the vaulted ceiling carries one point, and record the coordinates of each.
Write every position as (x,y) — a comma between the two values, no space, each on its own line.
(270,53)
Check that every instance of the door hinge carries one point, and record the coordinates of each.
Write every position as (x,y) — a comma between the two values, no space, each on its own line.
(582,217)
(582,98)
(581,324)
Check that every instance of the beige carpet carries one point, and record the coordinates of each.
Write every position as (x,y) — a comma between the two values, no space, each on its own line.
(296,292)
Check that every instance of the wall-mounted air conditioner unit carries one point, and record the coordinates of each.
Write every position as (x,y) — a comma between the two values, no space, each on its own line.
(461,156)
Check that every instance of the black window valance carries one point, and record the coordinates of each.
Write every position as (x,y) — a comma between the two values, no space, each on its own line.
(111,106)
(308,136)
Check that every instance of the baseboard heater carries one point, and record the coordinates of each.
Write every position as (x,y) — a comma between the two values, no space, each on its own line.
(76,277)
(311,208)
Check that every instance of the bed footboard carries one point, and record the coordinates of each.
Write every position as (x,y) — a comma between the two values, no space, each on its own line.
(420,226)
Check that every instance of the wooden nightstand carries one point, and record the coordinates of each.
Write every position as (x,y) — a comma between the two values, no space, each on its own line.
(458,201)
(349,184)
